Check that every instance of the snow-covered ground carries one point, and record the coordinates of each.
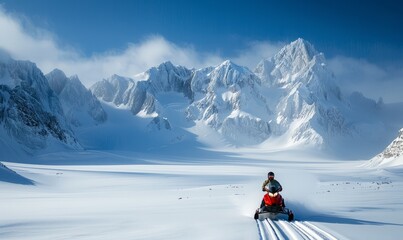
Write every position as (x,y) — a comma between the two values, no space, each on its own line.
(124,195)
(182,153)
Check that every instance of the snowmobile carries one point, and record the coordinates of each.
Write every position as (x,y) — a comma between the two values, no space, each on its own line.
(273,206)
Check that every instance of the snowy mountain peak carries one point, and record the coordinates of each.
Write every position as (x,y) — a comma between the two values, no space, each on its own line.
(114,89)
(228,73)
(57,80)
(79,105)
(395,149)
(392,155)
(74,79)
(119,81)
(311,105)
(167,68)
(228,65)
(300,48)
(294,60)
(167,65)
(57,73)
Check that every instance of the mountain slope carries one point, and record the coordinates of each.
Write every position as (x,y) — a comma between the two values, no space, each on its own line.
(225,97)
(229,100)
(30,112)
(392,155)
(80,106)
(310,108)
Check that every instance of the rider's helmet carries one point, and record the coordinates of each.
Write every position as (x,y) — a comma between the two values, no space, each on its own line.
(270,175)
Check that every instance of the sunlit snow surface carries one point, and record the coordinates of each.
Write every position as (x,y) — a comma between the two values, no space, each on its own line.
(183,166)
(124,195)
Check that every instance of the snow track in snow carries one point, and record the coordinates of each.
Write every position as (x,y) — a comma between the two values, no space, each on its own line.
(283,230)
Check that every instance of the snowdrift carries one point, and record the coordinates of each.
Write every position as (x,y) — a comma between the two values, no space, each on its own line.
(10,176)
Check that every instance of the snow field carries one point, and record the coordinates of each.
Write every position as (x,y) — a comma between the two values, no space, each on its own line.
(156,198)
(297,230)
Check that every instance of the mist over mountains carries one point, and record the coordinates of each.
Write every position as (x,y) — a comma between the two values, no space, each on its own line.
(290,100)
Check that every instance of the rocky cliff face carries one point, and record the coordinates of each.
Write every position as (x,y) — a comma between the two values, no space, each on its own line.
(395,149)
(225,97)
(30,111)
(229,99)
(310,105)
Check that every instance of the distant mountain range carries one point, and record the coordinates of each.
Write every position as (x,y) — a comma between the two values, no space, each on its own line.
(291,96)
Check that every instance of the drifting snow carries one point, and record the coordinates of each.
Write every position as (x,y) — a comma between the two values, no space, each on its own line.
(9,176)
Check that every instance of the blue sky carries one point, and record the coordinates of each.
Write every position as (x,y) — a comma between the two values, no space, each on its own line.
(366,29)
(363,34)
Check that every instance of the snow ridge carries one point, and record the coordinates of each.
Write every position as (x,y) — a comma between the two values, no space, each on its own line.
(392,155)
(8,175)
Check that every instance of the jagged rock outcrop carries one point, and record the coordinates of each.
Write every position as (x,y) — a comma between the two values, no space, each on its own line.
(225,97)
(231,103)
(30,111)
(310,103)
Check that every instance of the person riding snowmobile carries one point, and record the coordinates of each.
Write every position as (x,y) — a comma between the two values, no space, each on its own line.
(271,185)
(272,203)
(270,182)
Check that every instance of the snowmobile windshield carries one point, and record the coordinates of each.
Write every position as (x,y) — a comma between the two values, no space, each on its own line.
(273,189)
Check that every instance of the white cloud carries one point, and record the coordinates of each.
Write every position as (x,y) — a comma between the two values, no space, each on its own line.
(373,80)
(23,41)
(257,51)
(41,47)
(135,59)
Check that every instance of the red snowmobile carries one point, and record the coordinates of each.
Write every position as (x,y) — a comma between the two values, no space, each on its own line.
(273,205)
